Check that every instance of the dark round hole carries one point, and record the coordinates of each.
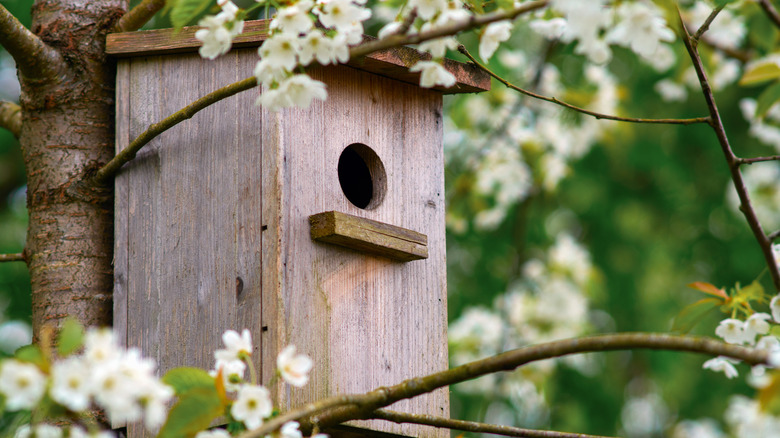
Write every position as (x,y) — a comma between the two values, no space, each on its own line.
(362,176)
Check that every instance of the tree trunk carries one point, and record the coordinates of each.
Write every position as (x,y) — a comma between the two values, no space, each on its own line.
(68,129)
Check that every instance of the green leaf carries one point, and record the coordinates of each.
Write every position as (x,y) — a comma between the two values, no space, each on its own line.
(185,379)
(761,72)
(70,338)
(194,412)
(183,12)
(768,97)
(31,354)
(693,314)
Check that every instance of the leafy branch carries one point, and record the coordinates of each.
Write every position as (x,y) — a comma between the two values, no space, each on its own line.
(104,175)
(471,426)
(11,117)
(462,49)
(34,58)
(138,16)
(732,160)
(336,410)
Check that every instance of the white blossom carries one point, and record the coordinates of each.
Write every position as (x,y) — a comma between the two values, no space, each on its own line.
(273,99)
(671,91)
(280,51)
(100,346)
(39,431)
(389,29)
(342,15)
(775,306)
(433,74)
(301,89)
(494,34)
(551,29)
(294,368)
(290,430)
(294,19)
(731,330)
(232,371)
(755,325)
(218,30)
(438,47)
(267,72)
(22,384)
(236,346)
(252,406)
(213,433)
(14,334)
(727,30)
(640,27)
(315,45)
(70,384)
(427,9)
(723,364)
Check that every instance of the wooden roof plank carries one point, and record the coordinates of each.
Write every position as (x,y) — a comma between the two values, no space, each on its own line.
(392,63)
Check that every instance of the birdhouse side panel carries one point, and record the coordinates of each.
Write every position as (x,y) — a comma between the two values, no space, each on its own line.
(366,320)
(188,211)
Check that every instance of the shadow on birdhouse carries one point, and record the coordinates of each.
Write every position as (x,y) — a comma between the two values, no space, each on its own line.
(319,227)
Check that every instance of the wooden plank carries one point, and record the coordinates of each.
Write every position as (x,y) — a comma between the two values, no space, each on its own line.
(365,321)
(368,236)
(392,63)
(194,222)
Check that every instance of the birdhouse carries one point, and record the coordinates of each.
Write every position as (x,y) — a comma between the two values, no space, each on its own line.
(322,227)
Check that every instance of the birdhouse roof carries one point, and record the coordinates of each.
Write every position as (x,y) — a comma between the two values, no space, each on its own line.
(392,63)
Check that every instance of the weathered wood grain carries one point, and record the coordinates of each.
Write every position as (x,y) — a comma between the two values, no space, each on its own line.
(212,218)
(366,321)
(392,63)
(368,236)
(191,207)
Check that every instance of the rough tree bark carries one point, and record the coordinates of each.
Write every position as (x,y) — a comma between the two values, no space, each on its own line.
(68,129)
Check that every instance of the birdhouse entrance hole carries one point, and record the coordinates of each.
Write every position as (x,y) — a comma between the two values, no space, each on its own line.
(362,176)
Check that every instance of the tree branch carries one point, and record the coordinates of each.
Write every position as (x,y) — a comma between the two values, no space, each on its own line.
(742,161)
(11,117)
(706,25)
(135,18)
(336,410)
(462,49)
(18,257)
(450,29)
(773,236)
(108,171)
(731,159)
(771,12)
(34,58)
(471,426)
(105,173)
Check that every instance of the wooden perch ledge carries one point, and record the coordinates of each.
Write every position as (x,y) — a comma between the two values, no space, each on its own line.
(392,63)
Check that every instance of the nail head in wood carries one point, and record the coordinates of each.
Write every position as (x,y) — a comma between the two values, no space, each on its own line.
(369,236)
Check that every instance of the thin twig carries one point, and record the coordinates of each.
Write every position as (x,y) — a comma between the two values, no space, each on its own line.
(18,257)
(771,12)
(105,173)
(471,426)
(34,58)
(450,29)
(773,236)
(706,25)
(731,159)
(138,16)
(462,49)
(108,171)
(11,117)
(741,161)
(336,410)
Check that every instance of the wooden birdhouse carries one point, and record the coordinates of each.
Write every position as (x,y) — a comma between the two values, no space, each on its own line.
(319,227)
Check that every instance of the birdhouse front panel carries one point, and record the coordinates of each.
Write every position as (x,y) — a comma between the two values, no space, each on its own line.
(321,227)
(372,150)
